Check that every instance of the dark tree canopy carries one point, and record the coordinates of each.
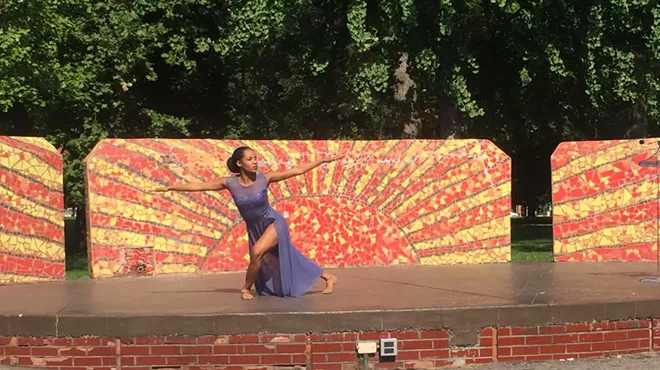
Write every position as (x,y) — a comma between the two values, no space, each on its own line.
(525,74)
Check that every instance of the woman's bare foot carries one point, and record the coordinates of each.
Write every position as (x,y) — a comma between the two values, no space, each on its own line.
(246,295)
(330,282)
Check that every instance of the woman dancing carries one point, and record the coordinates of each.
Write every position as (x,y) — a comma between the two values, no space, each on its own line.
(276,266)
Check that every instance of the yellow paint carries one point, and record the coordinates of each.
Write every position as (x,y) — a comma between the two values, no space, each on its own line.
(6,278)
(30,246)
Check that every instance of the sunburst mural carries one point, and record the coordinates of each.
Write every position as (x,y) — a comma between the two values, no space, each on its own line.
(386,203)
(605,205)
(31,200)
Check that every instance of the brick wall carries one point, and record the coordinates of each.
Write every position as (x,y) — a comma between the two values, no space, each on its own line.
(335,351)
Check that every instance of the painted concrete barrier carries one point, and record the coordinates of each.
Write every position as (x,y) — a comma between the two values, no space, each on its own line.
(386,203)
(32,211)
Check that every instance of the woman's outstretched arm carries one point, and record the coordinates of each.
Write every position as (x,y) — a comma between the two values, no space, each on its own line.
(276,176)
(218,184)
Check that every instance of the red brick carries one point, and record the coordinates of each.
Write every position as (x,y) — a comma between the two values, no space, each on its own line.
(644,323)
(639,334)
(508,358)
(17,351)
(291,348)
(134,350)
(215,360)
(276,359)
(196,350)
(299,359)
(30,341)
(486,352)
(434,354)
(504,332)
(603,346)
(528,350)
(259,348)
(552,329)
(156,360)
(350,346)
(4,341)
(505,351)
(517,331)
(44,351)
(5,361)
(465,352)
(511,341)
(64,342)
(577,327)
(531,330)
(471,361)
(536,358)
(327,366)
(486,342)
(565,338)
(417,344)
(388,365)
(149,340)
(441,343)
(372,336)
(244,339)
(341,357)
(229,349)
(405,335)
(632,324)
(591,337)
(628,344)
(590,355)
(319,337)
(181,340)
(135,368)
(243,359)
(87,361)
(112,361)
(87,341)
(127,361)
(300,338)
(181,360)
(277,338)
(579,347)
(486,332)
(165,350)
(319,358)
(102,351)
(558,348)
(327,347)
(608,325)
(407,355)
(434,334)
(615,335)
(350,337)
(541,339)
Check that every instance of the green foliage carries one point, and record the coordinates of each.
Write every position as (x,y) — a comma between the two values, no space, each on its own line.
(526,74)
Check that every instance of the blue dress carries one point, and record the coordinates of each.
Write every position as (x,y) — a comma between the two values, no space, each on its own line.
(285,272)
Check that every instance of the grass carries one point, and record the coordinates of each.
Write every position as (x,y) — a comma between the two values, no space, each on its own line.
(531,241)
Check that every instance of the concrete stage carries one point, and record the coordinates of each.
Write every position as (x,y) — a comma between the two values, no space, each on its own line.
(459,298)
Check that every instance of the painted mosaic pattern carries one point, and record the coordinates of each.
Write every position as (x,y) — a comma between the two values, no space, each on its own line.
(32,213)
(386,203)
(605,200)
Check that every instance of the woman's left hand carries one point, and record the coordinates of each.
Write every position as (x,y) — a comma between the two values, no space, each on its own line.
(333,158)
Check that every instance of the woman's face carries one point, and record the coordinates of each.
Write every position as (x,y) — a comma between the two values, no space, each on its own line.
(249,161)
